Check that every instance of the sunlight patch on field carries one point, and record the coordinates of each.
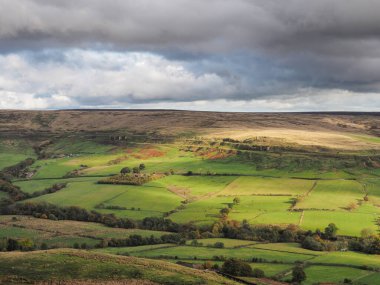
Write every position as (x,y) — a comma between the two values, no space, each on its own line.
(333,140)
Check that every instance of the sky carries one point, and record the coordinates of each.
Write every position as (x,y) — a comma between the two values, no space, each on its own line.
(217,55)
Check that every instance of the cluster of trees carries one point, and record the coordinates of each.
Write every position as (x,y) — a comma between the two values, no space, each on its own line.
(131,177)
(11,244)
(137,240)
(370,245)
(225,211)
(134,179)
(127,170)
(237,267)
(327,240)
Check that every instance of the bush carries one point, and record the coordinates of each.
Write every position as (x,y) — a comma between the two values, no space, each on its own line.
(258,273)
(219,245)
(311,243)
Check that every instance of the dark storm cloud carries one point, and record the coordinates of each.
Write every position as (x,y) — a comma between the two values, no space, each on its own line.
(256,48)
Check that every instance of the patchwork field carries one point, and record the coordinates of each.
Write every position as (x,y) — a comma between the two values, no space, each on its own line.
(200,191)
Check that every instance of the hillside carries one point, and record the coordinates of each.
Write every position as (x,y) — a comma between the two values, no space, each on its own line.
(70,265)
(127,194)
(325,129)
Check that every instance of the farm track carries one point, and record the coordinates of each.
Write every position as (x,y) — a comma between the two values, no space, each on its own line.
(301,218)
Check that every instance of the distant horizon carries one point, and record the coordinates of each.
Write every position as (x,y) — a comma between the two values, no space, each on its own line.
(189,110)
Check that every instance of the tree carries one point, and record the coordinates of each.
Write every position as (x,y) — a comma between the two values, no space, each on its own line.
(142,166)
(330,231)
(298,274)
(224,212)
(12,245)
(236,200)
(219,245)
(125,170)
(236,267)
(367,232)
(136,170)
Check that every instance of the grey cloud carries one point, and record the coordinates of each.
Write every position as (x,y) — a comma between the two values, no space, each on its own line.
(258,48)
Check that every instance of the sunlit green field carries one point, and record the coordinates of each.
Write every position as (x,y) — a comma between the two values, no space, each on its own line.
(267,186)
(194,190)
(324,195)
(266,196)
(318,273)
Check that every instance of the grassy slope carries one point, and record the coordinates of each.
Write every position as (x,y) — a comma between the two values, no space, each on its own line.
(13,151)
(73,264)
(63,233)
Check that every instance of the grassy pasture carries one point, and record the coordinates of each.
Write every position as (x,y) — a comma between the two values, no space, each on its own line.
(34,185)
(195,185)
(202,211)
(333,195)
(371,278)
(88,194)
(52,168)
(349,223)
(133,249)
(41,236)
(73,145)
(286,247)
(319,274)
(372,186)
(267,186)
(13,151)
(190,252)
(252,207)
(351,258)
(228,243)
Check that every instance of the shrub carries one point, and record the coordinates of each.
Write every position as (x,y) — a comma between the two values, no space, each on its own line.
(258,273)
(298,274)
(219,245)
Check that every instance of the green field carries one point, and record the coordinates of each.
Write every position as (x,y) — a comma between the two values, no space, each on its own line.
(191,252)
(195,187)
(13,151)
(332,274)
(324,195)
(267,186)
(228,243)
